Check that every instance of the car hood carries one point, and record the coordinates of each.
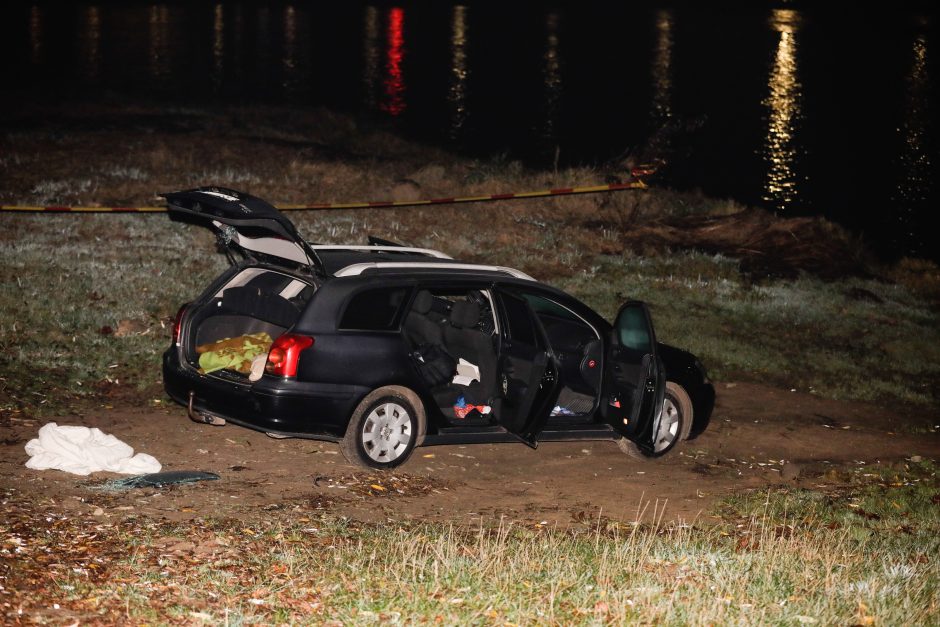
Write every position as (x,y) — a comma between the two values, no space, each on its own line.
(246,224)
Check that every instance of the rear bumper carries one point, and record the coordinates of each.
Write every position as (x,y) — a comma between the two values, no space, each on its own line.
(315,410)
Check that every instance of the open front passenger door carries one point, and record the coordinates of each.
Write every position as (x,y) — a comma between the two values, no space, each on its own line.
(634,378)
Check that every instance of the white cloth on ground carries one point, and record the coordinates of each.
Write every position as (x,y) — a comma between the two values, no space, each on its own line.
(82,451)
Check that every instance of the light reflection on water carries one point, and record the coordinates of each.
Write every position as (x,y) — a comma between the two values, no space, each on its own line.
(660,142)
(394,103)
(551,74)
(370,56)
(35,35)
(784,108)
(218,45)
(293,75)
(233,59)
(916,181)
(459,72)
(91,44)
(159,53)
(262,58)
(662,68)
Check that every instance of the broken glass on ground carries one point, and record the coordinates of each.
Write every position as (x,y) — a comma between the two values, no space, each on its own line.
(156,480)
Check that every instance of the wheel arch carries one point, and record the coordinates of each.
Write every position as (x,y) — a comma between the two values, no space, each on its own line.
(682,395)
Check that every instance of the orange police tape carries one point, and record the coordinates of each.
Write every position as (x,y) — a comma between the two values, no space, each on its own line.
(384,204)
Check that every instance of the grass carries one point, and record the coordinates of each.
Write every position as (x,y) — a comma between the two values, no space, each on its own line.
(806,333)
(858,550)
(86,299)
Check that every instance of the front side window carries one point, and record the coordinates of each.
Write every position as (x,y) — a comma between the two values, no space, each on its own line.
(566,331)
(543,306)
(374,310)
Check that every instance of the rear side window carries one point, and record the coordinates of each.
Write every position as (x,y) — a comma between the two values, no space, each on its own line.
(374,310)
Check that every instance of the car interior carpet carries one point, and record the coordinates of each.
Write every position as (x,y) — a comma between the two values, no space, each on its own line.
(571,403)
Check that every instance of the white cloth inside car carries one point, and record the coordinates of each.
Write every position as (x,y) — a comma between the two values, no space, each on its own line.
(82,451)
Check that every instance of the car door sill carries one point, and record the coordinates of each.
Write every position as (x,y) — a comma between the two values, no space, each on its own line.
(499,435)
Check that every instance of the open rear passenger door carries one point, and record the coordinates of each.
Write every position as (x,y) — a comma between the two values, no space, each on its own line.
(634,378)
(528,374)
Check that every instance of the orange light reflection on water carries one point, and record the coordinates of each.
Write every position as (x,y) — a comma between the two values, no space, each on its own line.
(457,93)
(218,44)
(662,67)
(551,76)
(35,35)
(784,105)
(370,56)
(90,36)
(159,49)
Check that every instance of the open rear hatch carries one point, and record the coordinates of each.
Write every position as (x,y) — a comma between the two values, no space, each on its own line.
(225,330)
(245,224)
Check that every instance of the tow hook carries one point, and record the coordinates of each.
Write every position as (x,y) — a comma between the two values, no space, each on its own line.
(198,416)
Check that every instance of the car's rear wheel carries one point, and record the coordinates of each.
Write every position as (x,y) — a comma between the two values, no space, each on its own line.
(383,429)
(674,426)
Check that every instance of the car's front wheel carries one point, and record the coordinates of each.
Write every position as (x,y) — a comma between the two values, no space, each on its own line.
(384,429)
(674,426)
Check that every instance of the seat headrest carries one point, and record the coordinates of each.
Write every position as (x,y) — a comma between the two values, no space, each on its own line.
(464,314)
(423,302)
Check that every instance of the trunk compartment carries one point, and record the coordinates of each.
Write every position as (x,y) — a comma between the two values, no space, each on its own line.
(253,302)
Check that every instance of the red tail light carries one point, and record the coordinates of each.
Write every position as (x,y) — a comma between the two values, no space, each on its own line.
(178,323)
(285,353)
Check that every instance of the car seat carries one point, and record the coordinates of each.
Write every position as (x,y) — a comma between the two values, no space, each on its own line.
(463,339)
(420,328)
(257,303)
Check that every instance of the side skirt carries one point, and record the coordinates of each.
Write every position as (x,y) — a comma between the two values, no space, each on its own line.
(499,435)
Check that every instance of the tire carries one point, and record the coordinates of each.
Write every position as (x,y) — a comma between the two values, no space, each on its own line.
(384,429)
(675,425)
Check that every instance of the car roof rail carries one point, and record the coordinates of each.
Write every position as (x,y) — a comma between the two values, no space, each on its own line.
(358,268)
(430,252)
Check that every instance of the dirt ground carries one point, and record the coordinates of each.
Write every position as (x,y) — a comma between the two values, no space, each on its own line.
(759,437)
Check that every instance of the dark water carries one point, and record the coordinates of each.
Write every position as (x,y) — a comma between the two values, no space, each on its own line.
(801,110)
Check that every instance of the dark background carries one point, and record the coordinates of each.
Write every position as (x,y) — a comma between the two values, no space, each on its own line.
(566,83)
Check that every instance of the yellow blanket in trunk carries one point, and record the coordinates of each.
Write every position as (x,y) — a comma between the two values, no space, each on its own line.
(233,353)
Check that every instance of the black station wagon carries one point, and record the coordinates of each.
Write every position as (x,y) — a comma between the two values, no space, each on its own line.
(383,348)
